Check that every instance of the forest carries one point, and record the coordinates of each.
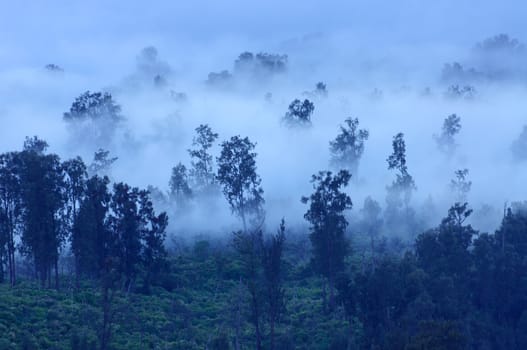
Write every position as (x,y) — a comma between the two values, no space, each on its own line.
(301,186)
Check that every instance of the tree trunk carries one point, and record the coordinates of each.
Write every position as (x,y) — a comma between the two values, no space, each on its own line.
(238,318)
(257,323)
(272,333)
(57,273)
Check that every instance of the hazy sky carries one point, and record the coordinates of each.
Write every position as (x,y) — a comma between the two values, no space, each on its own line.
(36,30)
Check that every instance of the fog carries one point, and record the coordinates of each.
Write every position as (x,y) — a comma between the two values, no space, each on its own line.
(383,63)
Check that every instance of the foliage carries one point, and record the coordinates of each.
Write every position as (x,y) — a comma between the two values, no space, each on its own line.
(299,113)
(348,147)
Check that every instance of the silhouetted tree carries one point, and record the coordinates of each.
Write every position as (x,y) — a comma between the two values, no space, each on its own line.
(272,259)
(460,186)
(91,240)
(328,224)
(348,147)
(237,175)
(43,208)
(125,223)
(201,173)
(101,164)
(399,215)
(249,245)
(153,254)
(10,211)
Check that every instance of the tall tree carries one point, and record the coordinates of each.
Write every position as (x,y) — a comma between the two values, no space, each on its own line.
(401,189)
(126,226)
(180,190)
(446,141)
(153,253)
(201,173)
(43,208)
(248,245)
(348,147)
(10,211)
(328,224)
(91,242)
(272,259)
(241,184)
(371,222)
(75,185)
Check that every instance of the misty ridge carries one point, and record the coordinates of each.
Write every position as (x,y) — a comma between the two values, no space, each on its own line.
(303,117)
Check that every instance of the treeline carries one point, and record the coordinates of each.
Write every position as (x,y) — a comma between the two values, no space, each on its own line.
(48,205)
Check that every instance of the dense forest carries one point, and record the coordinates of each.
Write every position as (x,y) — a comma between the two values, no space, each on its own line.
(85,263)
(344,177)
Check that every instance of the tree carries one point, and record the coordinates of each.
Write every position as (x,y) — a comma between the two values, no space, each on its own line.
(125,223)
(460,186)
(446,140)
(201,173)
(101,164)
(444,252)
(321,89)
(261,65)
(241,184)
(179,188)
(299,113)
(93,118)
(75,181)
(400,191)
(248,245)
(500,43)
(43,208)
(10,211)
(328,224)
(348,147)
(371,221)
(91,240)
(153,253)
(272,260)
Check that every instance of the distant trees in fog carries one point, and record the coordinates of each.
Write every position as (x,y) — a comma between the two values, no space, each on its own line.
(250,66)
(398,210)
(347,148)
(180,190)
(446,141)
(466,92)
(260,64)
(320,91)
(201,172)
(93,118)
(299,113)
(500,43)
(460,185)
